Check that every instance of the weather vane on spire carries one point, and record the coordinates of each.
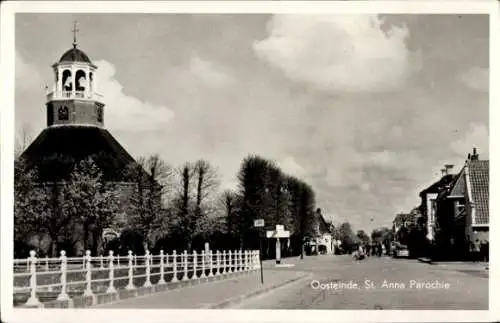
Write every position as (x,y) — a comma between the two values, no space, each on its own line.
(74,33)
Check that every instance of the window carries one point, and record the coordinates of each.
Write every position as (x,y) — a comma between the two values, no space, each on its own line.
(50,114)
(63,113)
(99,114)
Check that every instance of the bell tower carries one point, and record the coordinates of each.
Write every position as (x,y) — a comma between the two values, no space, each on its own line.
(74,100)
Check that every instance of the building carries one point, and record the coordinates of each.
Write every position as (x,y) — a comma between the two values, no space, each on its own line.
(323,241)
(463,209)
(75,129)
(428,204)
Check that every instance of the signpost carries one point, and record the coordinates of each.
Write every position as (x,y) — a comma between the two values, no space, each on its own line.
(259,223)
(280,232)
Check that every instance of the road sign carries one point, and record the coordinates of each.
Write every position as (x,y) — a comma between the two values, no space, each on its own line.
(259,223)
(278,233)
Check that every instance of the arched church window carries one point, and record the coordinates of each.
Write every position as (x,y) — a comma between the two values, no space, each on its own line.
(100,116)
(81,81)
(50,114)
(67,81)
(63,113)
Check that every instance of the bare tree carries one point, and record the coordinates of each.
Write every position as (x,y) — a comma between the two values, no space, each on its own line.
(182,203)
(206,183)
(153,181)
(23,140)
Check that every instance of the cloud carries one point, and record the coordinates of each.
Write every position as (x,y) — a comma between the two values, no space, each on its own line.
(476,78)
(28,76)
(124,112)
(290,167)
(476,137)
(339,53)
(207,72)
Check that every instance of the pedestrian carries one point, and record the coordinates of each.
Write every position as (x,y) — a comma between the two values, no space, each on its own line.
(487,250)
(482,249)
(476,250)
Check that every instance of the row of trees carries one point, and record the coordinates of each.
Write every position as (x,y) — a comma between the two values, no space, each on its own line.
(160,207)
(350,240)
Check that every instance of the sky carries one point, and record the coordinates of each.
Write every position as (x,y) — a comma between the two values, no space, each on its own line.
(365,108)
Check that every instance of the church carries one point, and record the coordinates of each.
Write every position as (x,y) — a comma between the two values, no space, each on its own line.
(76,130)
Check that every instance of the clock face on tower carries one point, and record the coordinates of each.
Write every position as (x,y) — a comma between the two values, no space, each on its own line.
(63,113)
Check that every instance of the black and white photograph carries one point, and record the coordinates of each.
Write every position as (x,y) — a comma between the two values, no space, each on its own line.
(269,160)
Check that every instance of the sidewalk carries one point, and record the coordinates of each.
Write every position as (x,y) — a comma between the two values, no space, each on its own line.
(217,294)
(457,265)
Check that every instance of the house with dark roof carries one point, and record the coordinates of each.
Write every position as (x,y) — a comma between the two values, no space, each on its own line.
(323,239)
(428,204)
(466,203)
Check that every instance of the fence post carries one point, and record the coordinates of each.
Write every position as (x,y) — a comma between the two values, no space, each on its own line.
(247,260)
(174,266)
(217,262)
(203,266)
(162,269)
(223,262)
(88,265)
(195,265)
(230,256)
(147,259)
(63,296)
(130,285)
(102,261)
(235,260)
(165,264)
(32,300)
(185,256)
(210,263)
(111,265)
(244,256)
(46,263)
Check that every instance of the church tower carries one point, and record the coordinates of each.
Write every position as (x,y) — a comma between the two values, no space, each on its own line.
(75,124)
(74,100)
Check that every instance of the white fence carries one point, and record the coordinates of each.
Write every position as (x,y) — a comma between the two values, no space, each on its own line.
(64,277)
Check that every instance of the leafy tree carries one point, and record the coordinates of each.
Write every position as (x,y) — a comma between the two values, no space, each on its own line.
(278,197)
(307,220)
(30,202)
(253,189)
(88,201)
(347,237)
(362,237)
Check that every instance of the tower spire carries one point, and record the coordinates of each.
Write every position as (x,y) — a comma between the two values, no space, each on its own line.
(74,30)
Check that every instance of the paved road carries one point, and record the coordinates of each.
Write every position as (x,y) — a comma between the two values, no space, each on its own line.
(382,283)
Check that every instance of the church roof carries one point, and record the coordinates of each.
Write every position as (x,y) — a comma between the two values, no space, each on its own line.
(56,150)
(75,55)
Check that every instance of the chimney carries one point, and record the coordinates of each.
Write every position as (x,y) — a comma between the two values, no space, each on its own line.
(475,155)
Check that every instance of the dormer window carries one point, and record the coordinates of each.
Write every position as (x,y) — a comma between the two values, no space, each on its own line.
(63,113)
